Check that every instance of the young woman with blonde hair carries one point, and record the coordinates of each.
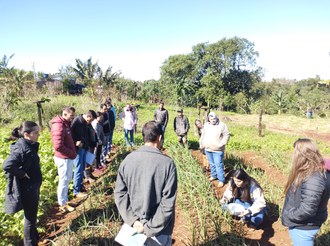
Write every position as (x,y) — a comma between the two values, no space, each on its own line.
(307,194)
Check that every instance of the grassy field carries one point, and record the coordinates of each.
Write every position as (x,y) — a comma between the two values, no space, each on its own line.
(97,221)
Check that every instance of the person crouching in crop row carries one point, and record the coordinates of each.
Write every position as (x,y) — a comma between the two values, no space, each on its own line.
(245,190)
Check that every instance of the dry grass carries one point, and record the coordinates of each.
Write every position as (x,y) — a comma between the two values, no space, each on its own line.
(283,122)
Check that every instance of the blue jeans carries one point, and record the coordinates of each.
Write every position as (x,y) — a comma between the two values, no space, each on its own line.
(64,169)
(106,147)
(255,219)
(303,237)
(160,240)
(110,138)
(131,135)
(216,164)
(79,167)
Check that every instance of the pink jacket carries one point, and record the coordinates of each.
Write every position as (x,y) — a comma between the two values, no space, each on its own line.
(327,164)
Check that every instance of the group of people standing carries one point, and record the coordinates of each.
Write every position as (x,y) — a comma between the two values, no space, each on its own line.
(146,185)
(180,124)
(79,142)
(73,138)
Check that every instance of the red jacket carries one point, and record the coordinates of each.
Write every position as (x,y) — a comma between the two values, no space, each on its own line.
(62,138)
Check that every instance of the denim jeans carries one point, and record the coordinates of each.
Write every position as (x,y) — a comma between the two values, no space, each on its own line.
(302,237)
(110,138)
(255,219)
(129,142)
(216,164)
(163,240)
(79,167)
(30,200)
(106,147)
(163,136)
(65,171)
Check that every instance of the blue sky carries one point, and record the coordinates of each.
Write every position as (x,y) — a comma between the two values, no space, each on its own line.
(135,37)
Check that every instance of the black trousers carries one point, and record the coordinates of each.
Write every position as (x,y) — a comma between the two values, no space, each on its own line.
(98,153)
(30,200)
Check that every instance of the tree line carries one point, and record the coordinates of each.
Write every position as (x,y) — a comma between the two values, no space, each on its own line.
(222,75)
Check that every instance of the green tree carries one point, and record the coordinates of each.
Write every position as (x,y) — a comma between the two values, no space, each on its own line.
(90,74)
(280,99)
(110,77)
(12,82)
(87,71)
(211,71)
(177,72)
(152,91)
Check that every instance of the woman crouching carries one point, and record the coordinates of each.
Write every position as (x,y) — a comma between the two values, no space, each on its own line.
(245,190)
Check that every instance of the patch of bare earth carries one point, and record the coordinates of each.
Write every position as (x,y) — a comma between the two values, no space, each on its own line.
(181,234)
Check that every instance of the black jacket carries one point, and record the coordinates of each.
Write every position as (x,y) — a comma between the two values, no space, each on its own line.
(307,207)
(23,159)
(80,131)
(112,122)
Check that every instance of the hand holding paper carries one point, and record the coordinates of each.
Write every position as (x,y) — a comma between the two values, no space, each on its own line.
(129,236)
(138,227)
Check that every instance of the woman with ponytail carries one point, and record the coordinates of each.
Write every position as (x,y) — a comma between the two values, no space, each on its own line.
(24,178)
(307,194)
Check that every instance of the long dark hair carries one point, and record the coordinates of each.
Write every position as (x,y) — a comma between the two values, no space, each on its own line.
(27,126)
(243,192)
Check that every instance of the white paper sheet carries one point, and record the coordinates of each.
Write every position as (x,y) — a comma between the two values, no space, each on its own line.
(89,158)
(127,237)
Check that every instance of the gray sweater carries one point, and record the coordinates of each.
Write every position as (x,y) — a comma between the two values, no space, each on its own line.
(161,116)
(146,190)
(181,125)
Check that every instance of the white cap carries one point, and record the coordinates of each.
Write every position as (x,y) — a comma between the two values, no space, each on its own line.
(212,115)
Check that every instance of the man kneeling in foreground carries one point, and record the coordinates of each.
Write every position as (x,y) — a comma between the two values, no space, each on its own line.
(146,188)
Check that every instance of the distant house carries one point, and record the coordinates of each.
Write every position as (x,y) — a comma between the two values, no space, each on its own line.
(57,84)
(50,83)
